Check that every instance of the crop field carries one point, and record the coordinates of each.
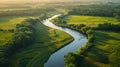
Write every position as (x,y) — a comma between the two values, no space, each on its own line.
(47,40)
(90,20)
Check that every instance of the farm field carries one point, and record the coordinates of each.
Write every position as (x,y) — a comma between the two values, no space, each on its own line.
(90,20)
(47,40)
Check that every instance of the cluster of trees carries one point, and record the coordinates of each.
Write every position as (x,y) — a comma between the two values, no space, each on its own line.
(97,10)
(72,59)
(23,36)
(9,30)
(108,26)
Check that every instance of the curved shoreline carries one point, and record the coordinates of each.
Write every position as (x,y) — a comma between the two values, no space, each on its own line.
(71,46)
(57,50)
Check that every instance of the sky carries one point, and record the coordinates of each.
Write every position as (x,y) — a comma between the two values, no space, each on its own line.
(42,0)
(56,0)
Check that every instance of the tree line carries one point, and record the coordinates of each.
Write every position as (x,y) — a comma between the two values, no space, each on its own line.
(108,26)
(23,36)
(74,59)
(97,10)
(27,12)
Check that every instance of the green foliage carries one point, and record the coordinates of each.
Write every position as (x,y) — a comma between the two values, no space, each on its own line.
(102,48)
(5,36)
(70,65)
(115,57)
(45,43)
(72,60)
(96,10)
(7,23)
(91,21)
(22,37)
(108,26)
(117,17)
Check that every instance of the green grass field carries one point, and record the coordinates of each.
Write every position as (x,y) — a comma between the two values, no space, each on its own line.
(90,20)
(5,37)
(47,41)
(105,45)
(10,22)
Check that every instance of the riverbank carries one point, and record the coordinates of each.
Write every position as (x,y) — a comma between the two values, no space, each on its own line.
(57,58)
(47,41)
(101,51)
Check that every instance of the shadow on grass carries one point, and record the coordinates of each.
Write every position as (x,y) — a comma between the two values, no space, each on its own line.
(102,37)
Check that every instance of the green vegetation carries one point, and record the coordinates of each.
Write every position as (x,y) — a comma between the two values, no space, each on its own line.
(90,20)
(106,10)
(7,27)
(5,37)
(102,48)
(22,36)
(27,43)
(9,22)
(47,40)
(104,52)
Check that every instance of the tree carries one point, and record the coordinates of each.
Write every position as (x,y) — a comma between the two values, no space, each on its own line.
(117,17)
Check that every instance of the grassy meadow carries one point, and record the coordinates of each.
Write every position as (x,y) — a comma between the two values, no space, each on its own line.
(90,20)
(5,37)
(47,40)
(105,46)
(103,52)
(10,22)
(7,23)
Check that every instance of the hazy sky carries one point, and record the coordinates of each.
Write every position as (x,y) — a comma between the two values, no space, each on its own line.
(56,0)
(45,0)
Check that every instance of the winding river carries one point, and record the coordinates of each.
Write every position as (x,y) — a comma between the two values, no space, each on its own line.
(57,58)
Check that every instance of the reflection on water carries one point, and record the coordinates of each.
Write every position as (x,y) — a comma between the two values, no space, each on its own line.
(57,58)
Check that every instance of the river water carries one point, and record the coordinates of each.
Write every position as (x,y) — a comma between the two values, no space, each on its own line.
(57,58)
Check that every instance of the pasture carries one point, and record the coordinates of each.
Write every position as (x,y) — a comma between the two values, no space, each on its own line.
(90,20)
